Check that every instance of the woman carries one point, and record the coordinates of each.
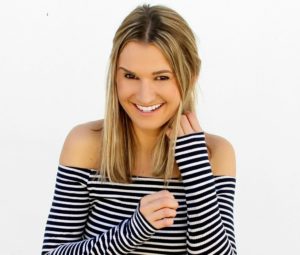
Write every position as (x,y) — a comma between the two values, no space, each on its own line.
(146,179)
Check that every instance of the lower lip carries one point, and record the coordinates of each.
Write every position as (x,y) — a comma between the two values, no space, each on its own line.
(147,113)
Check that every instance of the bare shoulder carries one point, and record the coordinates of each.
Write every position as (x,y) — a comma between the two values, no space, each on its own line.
(223,159)
(81,147)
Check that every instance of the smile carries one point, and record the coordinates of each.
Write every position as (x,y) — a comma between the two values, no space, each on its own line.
(149,108)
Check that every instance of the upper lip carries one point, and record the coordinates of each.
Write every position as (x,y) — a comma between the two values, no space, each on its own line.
(148,105)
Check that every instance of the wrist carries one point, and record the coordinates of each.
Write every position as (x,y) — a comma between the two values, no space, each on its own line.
(139,219)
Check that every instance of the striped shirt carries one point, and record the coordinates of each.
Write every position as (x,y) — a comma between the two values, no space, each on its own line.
(92,217)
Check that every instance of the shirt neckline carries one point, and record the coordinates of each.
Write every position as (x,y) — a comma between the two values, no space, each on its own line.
(137,177)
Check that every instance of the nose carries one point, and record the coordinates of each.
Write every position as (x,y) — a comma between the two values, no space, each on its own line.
(145,93)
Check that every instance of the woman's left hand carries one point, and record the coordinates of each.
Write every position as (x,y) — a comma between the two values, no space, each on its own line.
(188,124)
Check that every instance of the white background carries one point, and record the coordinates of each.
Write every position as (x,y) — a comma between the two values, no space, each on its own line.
(53,63)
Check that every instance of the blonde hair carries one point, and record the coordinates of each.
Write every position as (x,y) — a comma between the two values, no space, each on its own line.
(166,29)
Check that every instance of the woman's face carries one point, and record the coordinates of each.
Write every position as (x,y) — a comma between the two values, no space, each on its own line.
(146,86)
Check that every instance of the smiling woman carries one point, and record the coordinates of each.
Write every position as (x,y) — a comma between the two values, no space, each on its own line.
(143,179)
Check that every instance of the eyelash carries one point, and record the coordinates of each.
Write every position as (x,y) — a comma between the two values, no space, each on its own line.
(164,77)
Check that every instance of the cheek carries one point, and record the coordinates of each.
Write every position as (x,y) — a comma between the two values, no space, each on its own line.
(125,89)
(121,90)
(176,99)
(173,95)
(120,86)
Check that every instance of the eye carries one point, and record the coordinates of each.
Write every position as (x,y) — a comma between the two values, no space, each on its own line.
(162,78)
(129,76)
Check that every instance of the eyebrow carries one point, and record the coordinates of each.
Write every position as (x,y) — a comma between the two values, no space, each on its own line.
(154,73)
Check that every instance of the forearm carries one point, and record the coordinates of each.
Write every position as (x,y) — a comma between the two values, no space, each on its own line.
(68,218)
(207,232)
(120,239)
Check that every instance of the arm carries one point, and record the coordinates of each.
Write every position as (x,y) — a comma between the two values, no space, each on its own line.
(225,188)
(68,215)
(209,199)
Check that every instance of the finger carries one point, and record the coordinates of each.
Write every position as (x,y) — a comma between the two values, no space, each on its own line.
(162,213)
(192,118)
(159,204)
(185,125)
(165,222)
(168,133)
(180,131)
(156,195)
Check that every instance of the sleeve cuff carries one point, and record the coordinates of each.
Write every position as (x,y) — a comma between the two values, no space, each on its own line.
(191,152)
(182,137)
(188,142)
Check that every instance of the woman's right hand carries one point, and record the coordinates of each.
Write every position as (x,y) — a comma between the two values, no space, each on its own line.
(159,208)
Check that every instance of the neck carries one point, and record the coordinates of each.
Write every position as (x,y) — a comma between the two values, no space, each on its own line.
(145,140)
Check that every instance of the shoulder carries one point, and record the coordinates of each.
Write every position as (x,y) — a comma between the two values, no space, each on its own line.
(81,147)
(223,159)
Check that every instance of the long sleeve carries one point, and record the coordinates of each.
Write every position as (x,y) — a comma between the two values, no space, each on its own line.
(210,199)
(68,215)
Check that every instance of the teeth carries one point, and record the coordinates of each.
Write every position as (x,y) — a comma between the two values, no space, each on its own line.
(148,109)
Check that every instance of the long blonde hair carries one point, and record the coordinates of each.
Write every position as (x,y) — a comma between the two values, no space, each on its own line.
(166,29)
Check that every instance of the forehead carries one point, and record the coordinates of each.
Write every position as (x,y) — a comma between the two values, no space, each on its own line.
(142,56)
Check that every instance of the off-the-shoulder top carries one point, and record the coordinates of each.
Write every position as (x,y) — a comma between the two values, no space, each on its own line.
(88,216)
